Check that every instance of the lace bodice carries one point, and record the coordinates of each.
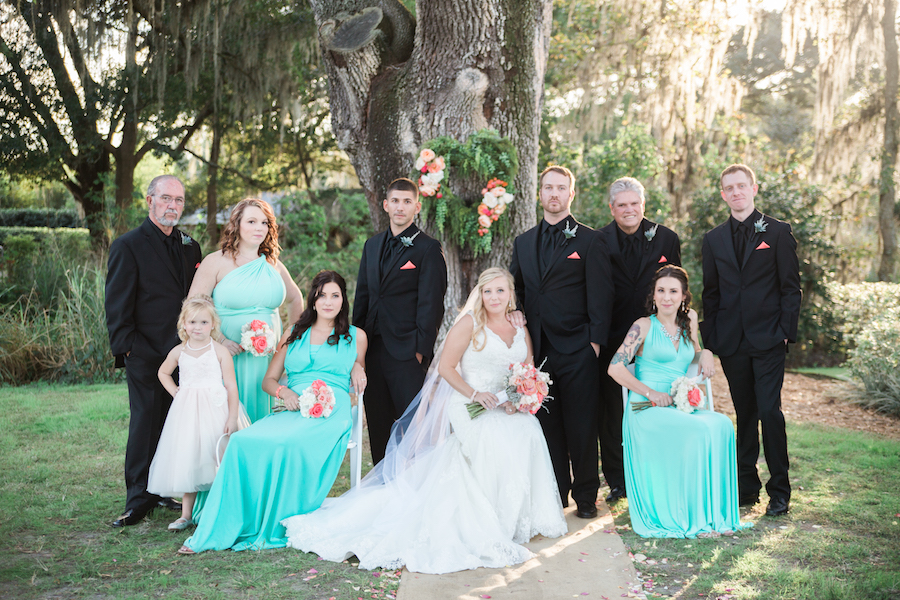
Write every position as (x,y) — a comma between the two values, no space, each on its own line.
(486,370)
(201,371)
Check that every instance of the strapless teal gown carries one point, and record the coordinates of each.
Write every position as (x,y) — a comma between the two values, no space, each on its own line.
(282,465)
(680,469)
(252,291)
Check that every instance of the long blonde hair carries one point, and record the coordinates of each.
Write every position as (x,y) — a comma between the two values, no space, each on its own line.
(191,307)
(476,304)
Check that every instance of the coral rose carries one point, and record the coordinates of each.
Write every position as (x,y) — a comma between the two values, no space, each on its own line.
(694,397)
(260,343)
(426,154)
(257,324)
(316,410)
(427,190)
(528,387)
(484,221)
(543,388)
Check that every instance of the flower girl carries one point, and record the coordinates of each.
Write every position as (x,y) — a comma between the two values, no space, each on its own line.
(205,406)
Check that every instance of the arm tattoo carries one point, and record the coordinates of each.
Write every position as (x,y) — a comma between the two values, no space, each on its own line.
(629,346)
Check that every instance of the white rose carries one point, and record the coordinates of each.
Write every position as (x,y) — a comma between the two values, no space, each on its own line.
(507,198)
(419,164)
(489,200)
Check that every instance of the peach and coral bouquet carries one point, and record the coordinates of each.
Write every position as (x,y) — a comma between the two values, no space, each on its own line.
(527,387)
(687,395)
(316,401)
(258,338)
(493,204)
(431,168)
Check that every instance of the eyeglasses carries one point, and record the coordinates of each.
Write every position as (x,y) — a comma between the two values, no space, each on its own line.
(179,201)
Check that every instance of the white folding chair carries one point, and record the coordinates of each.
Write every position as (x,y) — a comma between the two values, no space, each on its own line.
(354,446)
(693,371)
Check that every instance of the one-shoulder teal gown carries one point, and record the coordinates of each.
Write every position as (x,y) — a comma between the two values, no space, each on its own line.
(282,465)
(252,291)
(680,469)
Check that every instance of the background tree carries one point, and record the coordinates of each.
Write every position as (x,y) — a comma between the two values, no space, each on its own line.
(458,66)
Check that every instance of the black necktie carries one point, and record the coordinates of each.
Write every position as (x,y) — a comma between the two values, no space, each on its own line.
(548,245)
(172,243)
(391,248)
(632,253)
(740,242)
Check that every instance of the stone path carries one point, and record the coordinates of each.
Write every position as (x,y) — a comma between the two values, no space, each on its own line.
(588,562)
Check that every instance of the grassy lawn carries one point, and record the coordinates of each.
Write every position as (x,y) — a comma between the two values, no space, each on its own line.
(841,540)
(62,451)
(61,455)
(842,373)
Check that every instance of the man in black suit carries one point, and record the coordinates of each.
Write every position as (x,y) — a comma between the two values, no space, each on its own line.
(150,271)
(637,249)
(562,274)
(751,304)
(399,304)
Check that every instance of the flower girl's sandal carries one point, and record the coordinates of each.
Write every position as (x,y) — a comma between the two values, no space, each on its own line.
(180,524)
(186,551)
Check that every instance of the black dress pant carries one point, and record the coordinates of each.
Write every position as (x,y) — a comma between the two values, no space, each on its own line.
(755,378)
(149,403)
(610,423)
(392,384)
(570,421)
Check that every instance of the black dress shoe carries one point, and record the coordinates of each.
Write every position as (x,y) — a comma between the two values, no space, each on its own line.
(586,511)
(615,494)
(748,500)
(129,517)
(777,507)
(170,504)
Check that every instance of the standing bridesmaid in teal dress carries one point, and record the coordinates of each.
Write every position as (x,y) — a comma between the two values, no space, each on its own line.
(680,468)
(247,281)
(285,464)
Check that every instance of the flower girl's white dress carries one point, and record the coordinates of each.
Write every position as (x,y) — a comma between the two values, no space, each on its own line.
(469,503)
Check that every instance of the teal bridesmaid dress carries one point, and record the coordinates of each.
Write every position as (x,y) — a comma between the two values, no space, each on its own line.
(680,469)
(252,291)
(282,465)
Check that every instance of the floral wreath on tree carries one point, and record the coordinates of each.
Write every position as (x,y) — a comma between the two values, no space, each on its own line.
(473,221)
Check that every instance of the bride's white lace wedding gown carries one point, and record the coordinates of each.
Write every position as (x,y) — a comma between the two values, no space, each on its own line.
(486,489)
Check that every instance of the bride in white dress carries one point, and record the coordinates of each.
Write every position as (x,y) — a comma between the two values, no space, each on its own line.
(452,493)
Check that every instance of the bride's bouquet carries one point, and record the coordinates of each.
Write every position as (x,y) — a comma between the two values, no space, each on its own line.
(526,388)
(687,395)
(258,338)
(316,401)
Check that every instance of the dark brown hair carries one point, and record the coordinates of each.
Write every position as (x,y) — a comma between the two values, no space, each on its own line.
(681,317)
(232,232)
(309,316)
(403,184)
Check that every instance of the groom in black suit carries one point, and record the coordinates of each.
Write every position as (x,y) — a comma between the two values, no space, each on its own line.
(399,304)
(751,304)
(150,271)
(637,249)
(562,274)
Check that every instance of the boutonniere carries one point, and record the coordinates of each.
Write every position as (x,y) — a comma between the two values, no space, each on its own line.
(186,239)
(651,233)
(569,233)
(760,226)
(407,241)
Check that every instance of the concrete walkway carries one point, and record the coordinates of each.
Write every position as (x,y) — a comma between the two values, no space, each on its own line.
(588,562)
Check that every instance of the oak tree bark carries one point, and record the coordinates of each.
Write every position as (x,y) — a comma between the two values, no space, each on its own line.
(887,195)
(459,66)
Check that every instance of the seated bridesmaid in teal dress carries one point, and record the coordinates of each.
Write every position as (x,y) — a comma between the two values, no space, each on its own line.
(680,468)
(285,464)
(247,281)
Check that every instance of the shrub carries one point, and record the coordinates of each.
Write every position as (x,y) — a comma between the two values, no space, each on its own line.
(26,344)
(35,217)
(875,361)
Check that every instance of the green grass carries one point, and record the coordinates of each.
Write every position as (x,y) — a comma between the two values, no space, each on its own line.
(842,373)
(841,540)
(61,456)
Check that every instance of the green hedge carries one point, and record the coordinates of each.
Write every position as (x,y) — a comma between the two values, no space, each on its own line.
(35,217)
(63,235)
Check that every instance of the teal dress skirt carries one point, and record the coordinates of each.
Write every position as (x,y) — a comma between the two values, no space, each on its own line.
(680,469)
(252,291)
(282,465)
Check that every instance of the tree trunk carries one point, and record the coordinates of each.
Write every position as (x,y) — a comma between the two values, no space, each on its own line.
(886,220)
(464,66)
(87,189)
(212,182)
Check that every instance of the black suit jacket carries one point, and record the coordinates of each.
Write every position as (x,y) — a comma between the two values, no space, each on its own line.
(571,302)
(144,293)
(631,292)
(760,300)
(407,299)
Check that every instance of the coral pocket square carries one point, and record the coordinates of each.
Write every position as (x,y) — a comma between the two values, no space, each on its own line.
(409,265)
(574,255)
(763,246)
(662,259)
